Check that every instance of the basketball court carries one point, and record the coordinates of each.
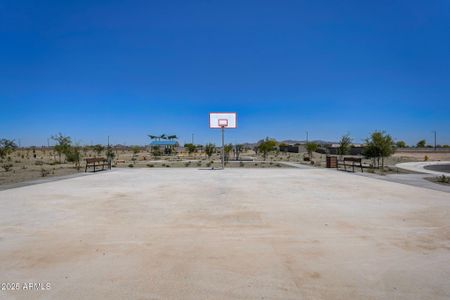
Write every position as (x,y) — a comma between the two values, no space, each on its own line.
(236,233)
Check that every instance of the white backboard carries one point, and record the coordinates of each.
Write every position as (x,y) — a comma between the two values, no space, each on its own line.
(222,119)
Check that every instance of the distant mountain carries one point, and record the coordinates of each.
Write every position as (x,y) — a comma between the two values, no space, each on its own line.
(290,142)
(304,142)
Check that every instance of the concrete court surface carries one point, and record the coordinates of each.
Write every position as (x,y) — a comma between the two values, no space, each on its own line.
(232,234)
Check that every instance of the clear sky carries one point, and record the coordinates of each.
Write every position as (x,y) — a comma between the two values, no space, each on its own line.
(95,68)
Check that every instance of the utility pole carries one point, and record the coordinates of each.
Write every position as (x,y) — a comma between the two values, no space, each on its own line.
(307,136)
(434,140)
(192,139)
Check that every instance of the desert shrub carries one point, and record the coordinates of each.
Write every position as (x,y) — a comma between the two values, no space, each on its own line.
(266,146)
(191,148)
(278,165)
(163,165)
(443,179)
(167,166)
(7,167)
(150,165)
(130,166)
(426,158)
(310,148)
(7,147)
(187,164)
(45,173)
(63,144)
(199,164)
(39,163)
(210,149)
(73,155)
(227,150)
(241,164)
(17,161)
(208,164)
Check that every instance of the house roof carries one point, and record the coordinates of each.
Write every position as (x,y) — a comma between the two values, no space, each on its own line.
(163,143)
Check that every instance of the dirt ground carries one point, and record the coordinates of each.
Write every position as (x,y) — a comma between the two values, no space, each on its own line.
(233,234)
(33,164)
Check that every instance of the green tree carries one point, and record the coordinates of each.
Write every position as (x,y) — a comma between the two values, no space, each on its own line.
(421,144)
(73,155)
(210,149)
(379,146)
(311,147)
(110,153)
(227,149)
(191,148)
(266,146)
(98,149)
(238,150)
(344,145)
(156,151)
(401,144)
(63,144)
(7,147)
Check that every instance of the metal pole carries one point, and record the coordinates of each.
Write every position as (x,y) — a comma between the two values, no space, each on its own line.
(307,136)
(435,140)
(223,147)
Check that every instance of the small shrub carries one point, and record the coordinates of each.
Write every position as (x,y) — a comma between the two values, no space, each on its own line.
(45,173)
(278,165)
(208,164)
(167,166)
(241,164)
(17,161)
(187,164)
(426,158)
(150,165)
(199,164)
(443,179)
(130,166)
(7,167)
(39,163)
(24,167)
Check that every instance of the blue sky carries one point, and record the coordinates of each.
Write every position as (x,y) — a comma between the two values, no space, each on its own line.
(95,68)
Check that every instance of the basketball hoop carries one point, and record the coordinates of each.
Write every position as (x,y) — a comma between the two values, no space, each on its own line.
(222,121)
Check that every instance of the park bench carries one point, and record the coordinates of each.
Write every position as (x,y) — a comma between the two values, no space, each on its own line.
(97,162)
(352,162)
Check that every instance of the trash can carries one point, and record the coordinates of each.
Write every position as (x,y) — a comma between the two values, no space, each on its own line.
(331,161)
